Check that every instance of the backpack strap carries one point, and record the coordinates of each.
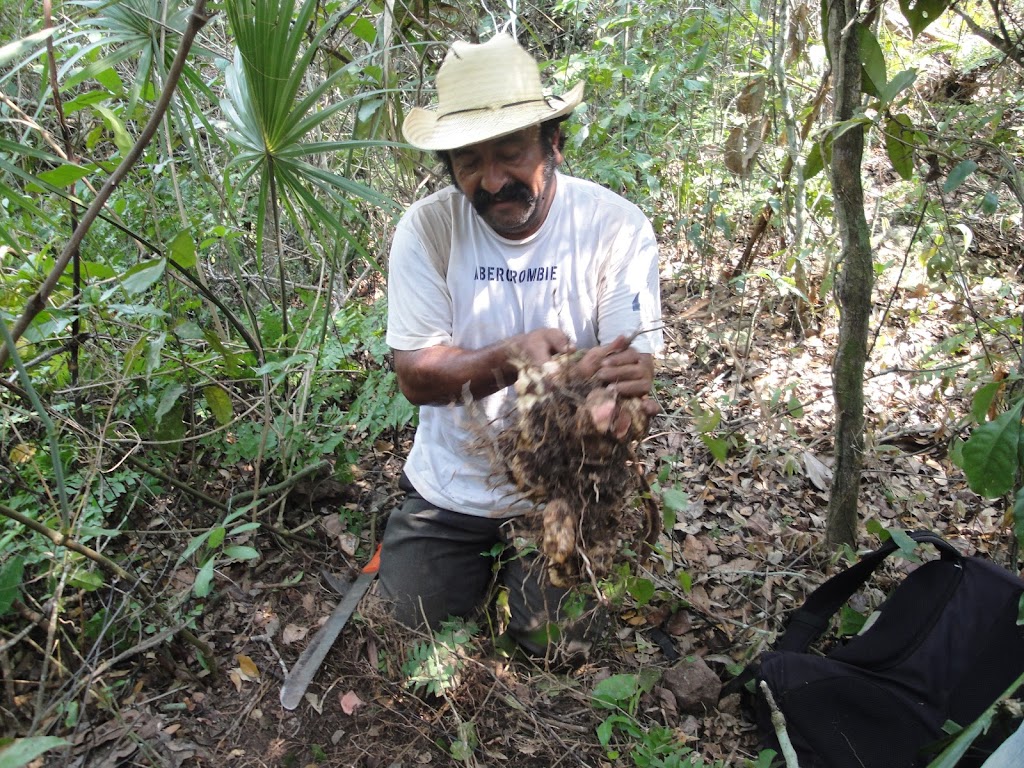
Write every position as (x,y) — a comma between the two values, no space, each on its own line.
(809,621)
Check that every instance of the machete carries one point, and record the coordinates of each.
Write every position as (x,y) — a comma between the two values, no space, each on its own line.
(298,680)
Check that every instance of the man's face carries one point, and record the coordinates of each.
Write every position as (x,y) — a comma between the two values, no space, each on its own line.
(509,180)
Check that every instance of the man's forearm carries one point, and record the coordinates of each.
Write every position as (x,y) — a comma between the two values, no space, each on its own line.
(440,375)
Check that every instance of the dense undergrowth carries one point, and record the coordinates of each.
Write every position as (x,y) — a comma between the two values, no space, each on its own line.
(208,365)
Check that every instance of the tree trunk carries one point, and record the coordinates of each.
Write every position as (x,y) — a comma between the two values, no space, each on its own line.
(854,279)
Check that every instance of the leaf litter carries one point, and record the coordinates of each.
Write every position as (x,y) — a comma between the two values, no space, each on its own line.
(742,551)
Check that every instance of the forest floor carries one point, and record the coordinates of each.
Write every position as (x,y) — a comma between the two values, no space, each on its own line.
(744,550)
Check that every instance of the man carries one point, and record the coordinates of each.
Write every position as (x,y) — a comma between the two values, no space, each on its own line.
(514,261)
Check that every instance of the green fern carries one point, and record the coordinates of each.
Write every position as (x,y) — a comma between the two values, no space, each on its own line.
(434,666)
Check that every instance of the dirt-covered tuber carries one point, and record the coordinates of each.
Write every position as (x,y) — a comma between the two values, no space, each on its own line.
(568,446)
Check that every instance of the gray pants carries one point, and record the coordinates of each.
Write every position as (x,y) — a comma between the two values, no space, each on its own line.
(435,563)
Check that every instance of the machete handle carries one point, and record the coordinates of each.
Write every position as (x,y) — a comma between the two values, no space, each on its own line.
(374,565)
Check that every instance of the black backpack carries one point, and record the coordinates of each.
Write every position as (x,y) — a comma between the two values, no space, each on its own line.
(945,645)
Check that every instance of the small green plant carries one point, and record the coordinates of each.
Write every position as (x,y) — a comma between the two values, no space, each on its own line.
(15,753)
(655,746)
(434,666)
(621,730)
(463,746)
(212,549)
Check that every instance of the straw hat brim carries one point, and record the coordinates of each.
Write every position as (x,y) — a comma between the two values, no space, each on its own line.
(429,129)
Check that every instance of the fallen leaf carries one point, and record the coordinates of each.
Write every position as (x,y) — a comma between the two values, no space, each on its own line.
(348,543)
(293,633)
(315,703)
(22,453)
(247,667)
(350,702)
(817,471)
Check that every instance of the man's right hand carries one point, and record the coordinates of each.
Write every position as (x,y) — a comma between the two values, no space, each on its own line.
(440,375)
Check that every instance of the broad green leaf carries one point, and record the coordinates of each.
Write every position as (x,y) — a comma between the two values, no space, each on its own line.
(216,537)
(872,62)
(900,138)
(899,83)
(183,250)
(229,357)
(154,353)
(204,579)
(89,581)
(850,621)
(959,175)
(239,552)
(615,690)
(140,277)
(66,175)
(193,547)
(368,108)
(168,399)
(220,404)
(641,589)
(991,456)
(906,544)
(875,528)
(83,100)
(817,158)
(364,29)
(719,448)
(675,499)
(189,330)
(115,126)
(10,582)
(982,400)
(21,752)
(110,80)
(920,13)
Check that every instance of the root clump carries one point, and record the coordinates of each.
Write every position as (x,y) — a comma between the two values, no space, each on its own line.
(568,446)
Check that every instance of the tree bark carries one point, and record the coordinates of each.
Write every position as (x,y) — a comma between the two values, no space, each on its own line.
(854,279)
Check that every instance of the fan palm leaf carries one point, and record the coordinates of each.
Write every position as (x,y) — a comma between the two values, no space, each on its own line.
(276,123)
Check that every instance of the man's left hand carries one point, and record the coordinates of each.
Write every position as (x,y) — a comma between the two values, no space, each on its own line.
(619,366)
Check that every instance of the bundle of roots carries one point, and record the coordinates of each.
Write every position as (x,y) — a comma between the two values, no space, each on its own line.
(569,448)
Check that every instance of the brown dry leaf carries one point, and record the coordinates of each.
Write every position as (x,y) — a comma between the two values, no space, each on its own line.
(751,98)
(315,703)
(22,453)
(350,702)
(293,633)
(247,667)
(817,471)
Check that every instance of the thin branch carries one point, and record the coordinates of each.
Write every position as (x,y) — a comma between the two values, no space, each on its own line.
(1006,46)
(114,569)
(37,302)
(779,724)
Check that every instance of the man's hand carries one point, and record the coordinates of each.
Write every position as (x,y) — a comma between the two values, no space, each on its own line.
(440,375)
(618,365)
(537,347)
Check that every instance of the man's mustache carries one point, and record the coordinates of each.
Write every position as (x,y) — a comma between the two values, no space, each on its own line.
(514,191)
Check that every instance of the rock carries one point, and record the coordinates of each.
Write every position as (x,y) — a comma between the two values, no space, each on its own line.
(695,686)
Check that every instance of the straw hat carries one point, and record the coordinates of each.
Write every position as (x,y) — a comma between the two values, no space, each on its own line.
(483,92)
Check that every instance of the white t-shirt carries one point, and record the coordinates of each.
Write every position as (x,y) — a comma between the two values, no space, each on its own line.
(591,270)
